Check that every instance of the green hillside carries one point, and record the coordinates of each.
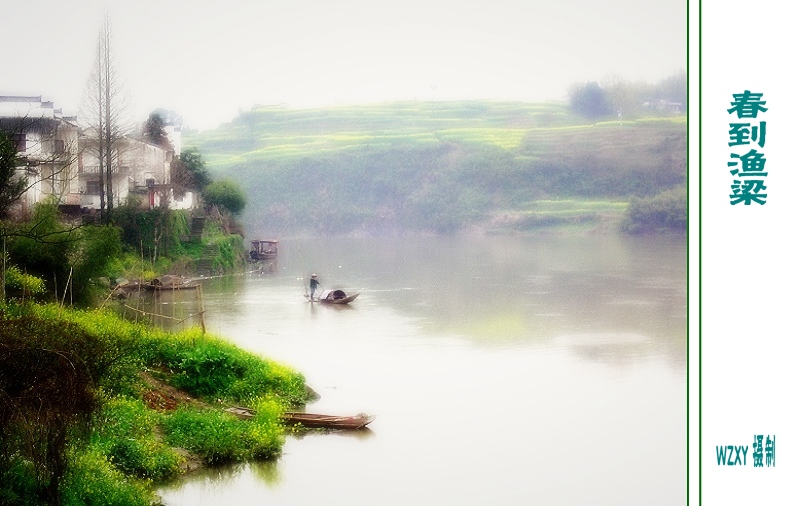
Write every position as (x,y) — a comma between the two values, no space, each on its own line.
(440,166)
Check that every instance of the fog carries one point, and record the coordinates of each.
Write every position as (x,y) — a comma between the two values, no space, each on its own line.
(208,60)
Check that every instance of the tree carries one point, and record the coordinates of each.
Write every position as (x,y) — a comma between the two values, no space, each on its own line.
(41,245)
(674,89)
(12,186)
(225,194)
(590,100)
(91,258)
(105,117)
(154,131)
(622,96)
(47,376)
(195,164)
(188,173)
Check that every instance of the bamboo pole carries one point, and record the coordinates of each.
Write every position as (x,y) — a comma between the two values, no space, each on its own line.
(178,320)
(202,308)
(69,279)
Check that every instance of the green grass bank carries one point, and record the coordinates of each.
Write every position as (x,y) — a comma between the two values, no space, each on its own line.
(98,410)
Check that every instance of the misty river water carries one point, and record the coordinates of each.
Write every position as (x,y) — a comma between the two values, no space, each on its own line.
(501,370)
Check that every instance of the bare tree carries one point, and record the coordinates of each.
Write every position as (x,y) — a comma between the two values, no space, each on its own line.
(105,118)
(619,92)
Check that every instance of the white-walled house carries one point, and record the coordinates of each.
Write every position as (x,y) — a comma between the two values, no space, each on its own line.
(138,169)
(61,160)
(47,145)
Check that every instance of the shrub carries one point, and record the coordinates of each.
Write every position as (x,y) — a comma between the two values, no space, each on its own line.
(219,437)
(230,253)
(18,484)
(93,479)
(42,245)
(663,212)
(42,345)
(20,284)
(208,366)
(208,370)
(47,371)
(93,258)
(126,434)
(216,437)
(590,100)
(226,194)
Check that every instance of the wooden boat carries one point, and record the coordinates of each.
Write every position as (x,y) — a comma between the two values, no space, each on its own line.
(169,282)
(317,421)
(311,420)
(263,250)
(336,297)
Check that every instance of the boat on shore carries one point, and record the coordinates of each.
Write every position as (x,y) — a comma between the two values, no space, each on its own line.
(318,421)
(312,420)
(336,297)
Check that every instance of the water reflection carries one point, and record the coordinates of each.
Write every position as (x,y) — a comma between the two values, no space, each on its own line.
(206,485)
(363,433)
(169,309)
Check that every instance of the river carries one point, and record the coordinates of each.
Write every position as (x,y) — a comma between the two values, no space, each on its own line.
(501,370)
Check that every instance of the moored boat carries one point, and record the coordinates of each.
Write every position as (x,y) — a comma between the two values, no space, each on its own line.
(318,421)
(312,420)
(263,250)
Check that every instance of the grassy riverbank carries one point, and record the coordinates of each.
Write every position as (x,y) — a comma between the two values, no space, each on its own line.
(98,410)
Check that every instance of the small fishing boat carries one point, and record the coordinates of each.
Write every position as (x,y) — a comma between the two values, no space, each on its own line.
(263,250)
(317,421)
(336,297)
(312,420)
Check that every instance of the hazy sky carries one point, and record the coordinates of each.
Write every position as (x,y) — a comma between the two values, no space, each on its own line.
(209,59)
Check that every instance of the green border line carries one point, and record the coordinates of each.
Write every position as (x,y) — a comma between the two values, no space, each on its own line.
(699,254)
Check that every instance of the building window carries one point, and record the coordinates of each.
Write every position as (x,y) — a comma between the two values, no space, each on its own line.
(58,147)
(93,187)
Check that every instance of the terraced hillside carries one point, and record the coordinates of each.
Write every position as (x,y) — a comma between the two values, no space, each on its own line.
(434,166)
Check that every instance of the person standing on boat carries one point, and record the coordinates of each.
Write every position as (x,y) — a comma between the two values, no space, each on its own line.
(313,284)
